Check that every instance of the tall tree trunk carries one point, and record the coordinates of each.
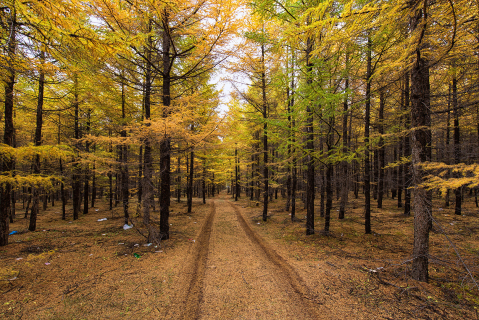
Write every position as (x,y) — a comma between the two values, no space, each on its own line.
(238,185)
(190,182)
(86,187)
(178,179)
(448,137)
(110,176)
(8,137)
(124,158)
(203,182)
(236,174)
(294,178)
(147,165)
(421,139)
(367,184)
(289,182)
(251,194)
(344,165)
(76,167)
(93,186)
(400,178)
(62,183)
(310,189)
(322,177)
(62,191)
(457,145)
(38,142)
(329,176)
(407,150)
(140,174)
(382,102)
(165,147)
(213,186)
(265,137)
(257,179)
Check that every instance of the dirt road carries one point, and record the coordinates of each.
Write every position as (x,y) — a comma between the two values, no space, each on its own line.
(233,273)
(218,264)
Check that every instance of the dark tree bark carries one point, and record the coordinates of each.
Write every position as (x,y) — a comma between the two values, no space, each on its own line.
(165,147)
(140,174)
(421,139)
(76,167)
(310,189)
(400,178)
(344,165)
(367,184)
(190,182)
(86,175)
(178,179)
(93,186)
(124,159)
(147,183)
(38,142)
(294,178)
(289,183)
(203,183)
(457,145)
(252,177)
(407,151)
(448,137)
(213,186)
(236,175)
(394,175)
(29,200)
(265,136)
(62,191)
(110,182)
(329,178)
(8,136)
(256,147)
(12,203)
(382,102)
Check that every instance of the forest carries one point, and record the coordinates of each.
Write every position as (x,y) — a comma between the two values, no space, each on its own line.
(309,120)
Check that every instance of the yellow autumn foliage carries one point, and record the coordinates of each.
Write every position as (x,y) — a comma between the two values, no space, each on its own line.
(443,176)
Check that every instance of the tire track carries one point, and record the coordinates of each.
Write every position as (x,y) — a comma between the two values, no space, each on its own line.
(300,292)
(196,269)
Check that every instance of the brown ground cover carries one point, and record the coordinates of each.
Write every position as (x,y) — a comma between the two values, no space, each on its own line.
(224,262)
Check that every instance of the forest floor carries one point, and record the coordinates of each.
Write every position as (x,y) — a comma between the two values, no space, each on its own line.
(224,262)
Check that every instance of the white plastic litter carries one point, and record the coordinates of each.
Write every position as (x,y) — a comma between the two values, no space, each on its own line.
(103,219)
(127,226)
(147,244)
